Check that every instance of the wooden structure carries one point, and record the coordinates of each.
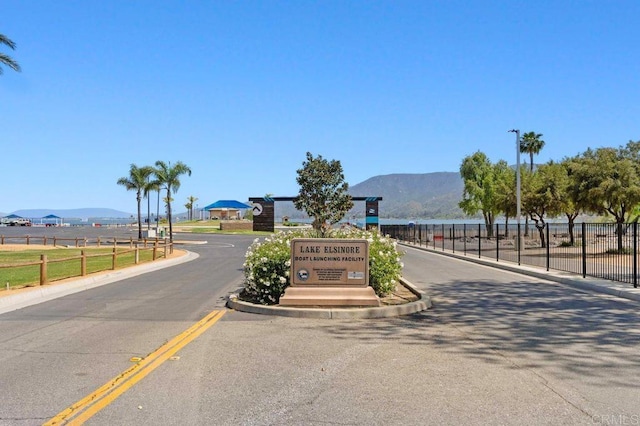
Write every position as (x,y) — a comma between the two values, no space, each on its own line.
(264,211)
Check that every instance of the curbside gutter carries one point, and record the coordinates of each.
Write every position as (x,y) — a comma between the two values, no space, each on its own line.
(423,303)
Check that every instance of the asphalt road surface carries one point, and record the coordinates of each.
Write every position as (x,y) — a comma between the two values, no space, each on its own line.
(496,348)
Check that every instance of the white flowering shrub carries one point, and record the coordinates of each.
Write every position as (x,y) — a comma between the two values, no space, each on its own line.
(267,263)
(385,266)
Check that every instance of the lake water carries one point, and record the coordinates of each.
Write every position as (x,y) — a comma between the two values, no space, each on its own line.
(391,221)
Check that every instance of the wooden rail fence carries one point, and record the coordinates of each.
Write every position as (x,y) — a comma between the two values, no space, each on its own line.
(77,242)
(160,248)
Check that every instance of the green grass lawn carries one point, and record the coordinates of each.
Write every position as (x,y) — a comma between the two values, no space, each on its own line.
(63,263)
(196,230)
(210,227)
(207,223)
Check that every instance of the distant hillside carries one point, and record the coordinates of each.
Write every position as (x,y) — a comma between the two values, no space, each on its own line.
(83,213)
(406,195)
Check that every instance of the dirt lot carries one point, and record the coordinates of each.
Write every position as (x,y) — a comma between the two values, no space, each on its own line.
(22,247)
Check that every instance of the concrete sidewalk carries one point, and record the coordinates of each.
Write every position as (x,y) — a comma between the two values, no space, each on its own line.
(613,288)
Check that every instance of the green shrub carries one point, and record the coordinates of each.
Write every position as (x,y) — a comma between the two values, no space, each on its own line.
(267,263)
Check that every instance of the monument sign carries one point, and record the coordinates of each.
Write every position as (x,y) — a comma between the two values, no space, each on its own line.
(329,272)
(325,261)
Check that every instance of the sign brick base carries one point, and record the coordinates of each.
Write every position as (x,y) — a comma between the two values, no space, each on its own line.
(329,296)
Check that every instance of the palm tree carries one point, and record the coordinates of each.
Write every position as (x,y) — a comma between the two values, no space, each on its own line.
(531,144)
(152,185)
(6,59)
(190,202)
(138,180)
(169,178)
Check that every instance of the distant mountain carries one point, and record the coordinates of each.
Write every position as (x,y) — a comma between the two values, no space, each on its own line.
(410,195)
(83,213)
(404,196)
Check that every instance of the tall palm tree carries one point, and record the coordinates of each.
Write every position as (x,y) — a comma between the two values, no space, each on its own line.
(168,177)
(531,144)
(138,180)
(190,202)
(152,185)
(6,59)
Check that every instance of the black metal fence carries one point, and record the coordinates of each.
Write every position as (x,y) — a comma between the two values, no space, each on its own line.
(601,250)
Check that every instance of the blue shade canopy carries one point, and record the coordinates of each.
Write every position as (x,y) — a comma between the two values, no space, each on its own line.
(227,204)
(13,216)
(51,216)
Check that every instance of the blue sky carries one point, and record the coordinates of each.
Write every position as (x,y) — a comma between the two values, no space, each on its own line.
(241,90)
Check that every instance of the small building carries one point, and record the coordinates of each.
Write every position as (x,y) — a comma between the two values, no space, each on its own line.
(226,210)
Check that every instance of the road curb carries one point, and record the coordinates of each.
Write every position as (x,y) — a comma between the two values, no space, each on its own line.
(611,288)
(423,303)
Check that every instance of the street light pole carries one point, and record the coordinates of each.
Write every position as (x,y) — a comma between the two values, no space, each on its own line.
(517,132)
(158,212)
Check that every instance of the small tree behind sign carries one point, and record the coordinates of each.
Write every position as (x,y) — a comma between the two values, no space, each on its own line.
(323,192)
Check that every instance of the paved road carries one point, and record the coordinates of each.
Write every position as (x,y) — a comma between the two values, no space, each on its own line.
(54,353)
(497,348)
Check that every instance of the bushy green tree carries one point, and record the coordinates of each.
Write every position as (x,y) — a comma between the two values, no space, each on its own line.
(248,215)
(481,188)
(505,178)
(570,195)
(323,192)
(542,195)
(602,181)
(632,151)
(609,183)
